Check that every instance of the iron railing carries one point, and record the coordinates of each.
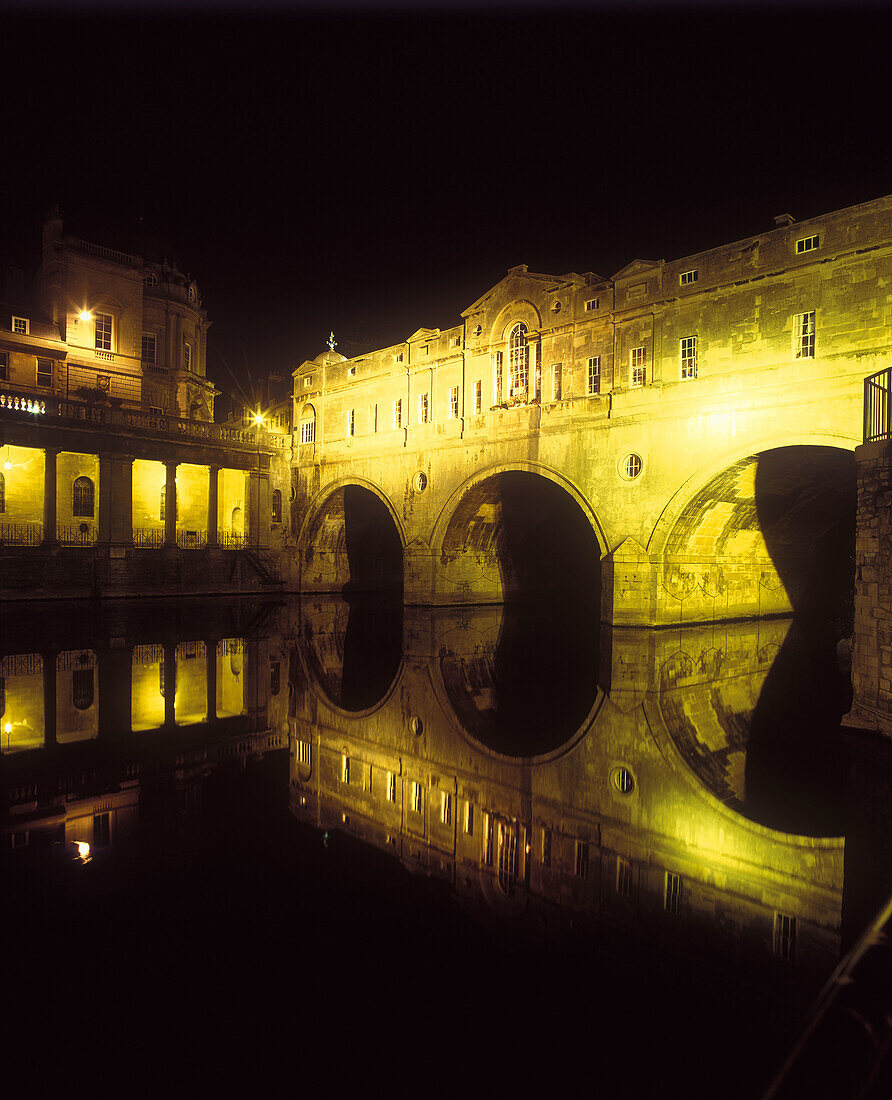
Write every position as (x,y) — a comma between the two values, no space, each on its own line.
(82,535)
(228,540)
(148,538)
(878,406)
(191,540)
(21,534)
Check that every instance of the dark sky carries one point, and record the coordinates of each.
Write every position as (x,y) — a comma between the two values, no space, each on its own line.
(371,171)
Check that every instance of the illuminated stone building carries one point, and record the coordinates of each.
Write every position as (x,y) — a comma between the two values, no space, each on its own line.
(114,476)
(692,421)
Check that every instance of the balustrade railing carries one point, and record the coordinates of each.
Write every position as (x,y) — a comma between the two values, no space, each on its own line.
(878,406)
(192,540)
(82,535)
(230,541)
(21,534)
(148,538)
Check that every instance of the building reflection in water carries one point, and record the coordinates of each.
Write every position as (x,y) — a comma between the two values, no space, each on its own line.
(650,791)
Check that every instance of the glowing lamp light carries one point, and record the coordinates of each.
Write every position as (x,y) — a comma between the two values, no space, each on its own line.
(83,850)
(85,315)
(258,418)
(7,465)
(8,727)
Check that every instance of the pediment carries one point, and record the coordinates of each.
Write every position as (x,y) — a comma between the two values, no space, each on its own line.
(637,267)
(531,281)
(423,334)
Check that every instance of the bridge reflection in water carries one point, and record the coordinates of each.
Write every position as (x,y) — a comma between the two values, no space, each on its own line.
(628,812)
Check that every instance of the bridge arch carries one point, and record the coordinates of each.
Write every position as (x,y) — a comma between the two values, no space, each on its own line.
(513,530)
(351,539)
(766,529)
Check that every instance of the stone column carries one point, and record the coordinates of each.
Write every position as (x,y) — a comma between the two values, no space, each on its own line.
(211,678)
(170,504)
(170,681)
(213,489)
(116,500)
(258,508)
(115,676)
(49,698)
(49,497)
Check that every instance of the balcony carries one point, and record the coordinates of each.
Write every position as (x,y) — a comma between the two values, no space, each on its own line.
(878,406)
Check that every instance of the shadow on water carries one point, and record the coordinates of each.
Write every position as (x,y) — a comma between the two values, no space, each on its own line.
(797,763)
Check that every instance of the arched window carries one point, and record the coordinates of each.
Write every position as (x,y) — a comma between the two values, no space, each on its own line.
(82,497)
(519,358)
(308,424)
(277,505)
(2,493)
(82,688)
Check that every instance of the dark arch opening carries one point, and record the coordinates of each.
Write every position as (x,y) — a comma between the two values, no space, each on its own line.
(355,534)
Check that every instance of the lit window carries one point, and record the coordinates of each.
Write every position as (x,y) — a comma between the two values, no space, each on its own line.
(149,347)
(187,356)
(417,798)
(277,506)
(21,325)
(4,366)
(345,768)
(422,408)
(82,497)
(398,413)
(593,364)
(805,335)
(519,351)
(303,753)
(102,328)
(2,499)
(807,244)
(478,396)
(45,374)
(308,425)
(556,379)
(351,422)
(507,856)
(688,357)
(469,818)
(592,304)
(638,364)
(498,376)
(391,787)
(487,840)
(445,807)
(581,859)
(453,402)
(672,895)
(784,935)
(688,277)
(623,877)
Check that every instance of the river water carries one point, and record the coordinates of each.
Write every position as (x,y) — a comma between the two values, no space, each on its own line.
(415,850)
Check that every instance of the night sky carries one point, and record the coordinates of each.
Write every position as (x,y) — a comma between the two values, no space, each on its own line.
(371,171)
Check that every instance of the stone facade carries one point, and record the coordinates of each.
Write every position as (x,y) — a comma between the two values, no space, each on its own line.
(669,403)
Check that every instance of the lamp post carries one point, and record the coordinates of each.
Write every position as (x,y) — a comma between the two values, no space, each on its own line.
(258,424)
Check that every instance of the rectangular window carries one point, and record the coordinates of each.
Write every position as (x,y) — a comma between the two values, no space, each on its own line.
(623,877)
(478,396)
(398,358)
(688,277)
(373,417)
(688,356)
(417,798)
(469,818)
(453,402)
(638,365)
(308,431)
(102,328)
(487,840)
(21,325)
(445,808)
(101,830)
(149,347)
(187,356)
(805,335)
(498,376)
(398,413)
(391,787)
(156,410)
(45,374)
(304,755)
(4,366)
(308,381)
(592,304)
(581,859)
(455,342)
(422,408)
(593,364)
(345,768)
(672,895)
(807,244)
(351,421)
(351,372)
(784,935)
(546,847)
(557,371)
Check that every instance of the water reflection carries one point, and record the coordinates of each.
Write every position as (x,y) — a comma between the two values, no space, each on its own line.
(671,795)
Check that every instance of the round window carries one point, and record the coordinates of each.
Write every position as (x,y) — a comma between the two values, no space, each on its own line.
(416,725)
(556,307)
(631,466)
(420,482)
(477,330)
(623,780)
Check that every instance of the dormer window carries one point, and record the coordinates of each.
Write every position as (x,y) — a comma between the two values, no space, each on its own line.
(807,244)
(686,278)
(21,325)
(592,304)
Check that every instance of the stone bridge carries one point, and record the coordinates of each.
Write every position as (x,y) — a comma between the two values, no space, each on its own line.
(669,451)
